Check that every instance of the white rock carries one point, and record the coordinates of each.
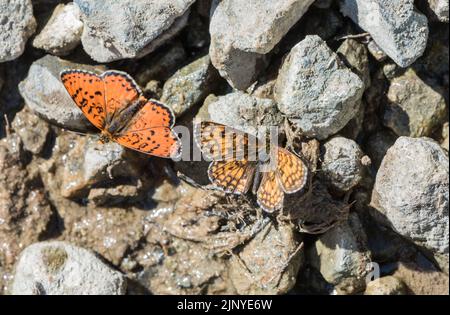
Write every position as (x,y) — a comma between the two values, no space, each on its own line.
(315,91)
(411,192)
(242,32)
(59,268)
(115,30)
(399,30)
(62,33)
(440,8)
(17,24)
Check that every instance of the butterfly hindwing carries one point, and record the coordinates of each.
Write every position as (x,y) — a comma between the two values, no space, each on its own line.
(232,176)
(158,141)
(87,91)
(149,131)
(270,196)
(292,172)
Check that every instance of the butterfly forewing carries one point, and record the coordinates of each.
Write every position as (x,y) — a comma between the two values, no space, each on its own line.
(88,92)
(219,142)
(292,172)
(120,92)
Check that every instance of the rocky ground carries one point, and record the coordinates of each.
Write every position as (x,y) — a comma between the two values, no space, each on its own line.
(360,88)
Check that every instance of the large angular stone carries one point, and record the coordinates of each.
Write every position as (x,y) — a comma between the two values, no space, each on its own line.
(399,30)
(17,24)
(243,32)
(315,91)
(411,192)
(115,30)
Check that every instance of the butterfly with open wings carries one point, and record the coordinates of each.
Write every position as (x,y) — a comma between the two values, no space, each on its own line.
(113,103)
(233,169)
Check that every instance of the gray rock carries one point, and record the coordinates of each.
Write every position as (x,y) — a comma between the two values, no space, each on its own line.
(241,111)
(62,33)
(378,144)
(395,26)
(440,8)
(190,85)
(415,109)
(45,94)
(315,91)
(411,192)
(341,163)
(115,30)
(243,32)
(17,24)
(32,130)
(342,257)
(354,54)
(388,285)
(267,264)
(59,268)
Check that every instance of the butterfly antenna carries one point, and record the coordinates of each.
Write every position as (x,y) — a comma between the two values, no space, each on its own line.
(75,132)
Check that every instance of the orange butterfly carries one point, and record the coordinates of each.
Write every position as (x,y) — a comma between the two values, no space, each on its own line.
(113,103)
(233,170)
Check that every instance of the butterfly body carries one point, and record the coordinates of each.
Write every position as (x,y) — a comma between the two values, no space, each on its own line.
(113,103)
(238,165)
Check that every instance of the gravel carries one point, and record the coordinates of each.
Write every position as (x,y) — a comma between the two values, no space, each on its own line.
(340,79)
